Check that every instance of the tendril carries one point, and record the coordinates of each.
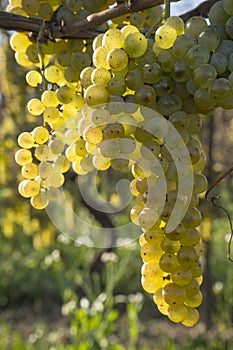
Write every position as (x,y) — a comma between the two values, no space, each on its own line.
(213,200)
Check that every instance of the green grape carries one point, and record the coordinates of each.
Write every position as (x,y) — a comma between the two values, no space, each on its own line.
(74,5)
(165,36)
(164,86)
(96,94)
(135,44)
(169,104)
(194,300)
(192,218)
(173,294)
(203,100)
(148,57)
(56,180)
(26,140)
(217,14)
(225,47)
(195,25)
(200,183)
(137,19)
(197,55)
(197,270)
(179,120)
(134,79)
(228,7)
(150,149)
(100,162)
(145,95)
(177,313)
(97,42)
(51,115)
(45,169)
(204,75)
(29,188)
(166,60)
(113,130)
(182,276)
(116,86)
(39,201)
(113,38)
(154,236)
(152,15)
(100,57)
(182,44)
(175,22)
(53,74)
(56,146)
(157,126)
(33,78)
(40,134)
(31,6)
(29,171)
(159,301)
(100,116)
(35,106)
(220,89)
(151,73)
(117,59)
(80,60)
(49,98)
(150,254)
(147,218)
(100,76)
(65,94)
(19,42)
(187,256)
(109,149)
(23,156)
(181,72)
(93,134)
(191,237)
(45,11)
(192,317)
(168,262)
(209,38)
(169,246)
(85,76)
(219,62)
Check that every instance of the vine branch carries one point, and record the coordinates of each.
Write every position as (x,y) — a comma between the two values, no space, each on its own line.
(85,28)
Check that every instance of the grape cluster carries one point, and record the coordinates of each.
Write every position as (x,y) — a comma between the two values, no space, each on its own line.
(130,102)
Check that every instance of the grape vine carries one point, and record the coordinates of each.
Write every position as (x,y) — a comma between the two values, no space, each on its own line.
(128,100)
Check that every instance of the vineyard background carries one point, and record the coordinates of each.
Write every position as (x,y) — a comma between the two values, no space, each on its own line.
(56,295)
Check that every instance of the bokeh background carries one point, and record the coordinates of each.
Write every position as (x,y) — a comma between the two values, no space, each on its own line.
(56,295)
